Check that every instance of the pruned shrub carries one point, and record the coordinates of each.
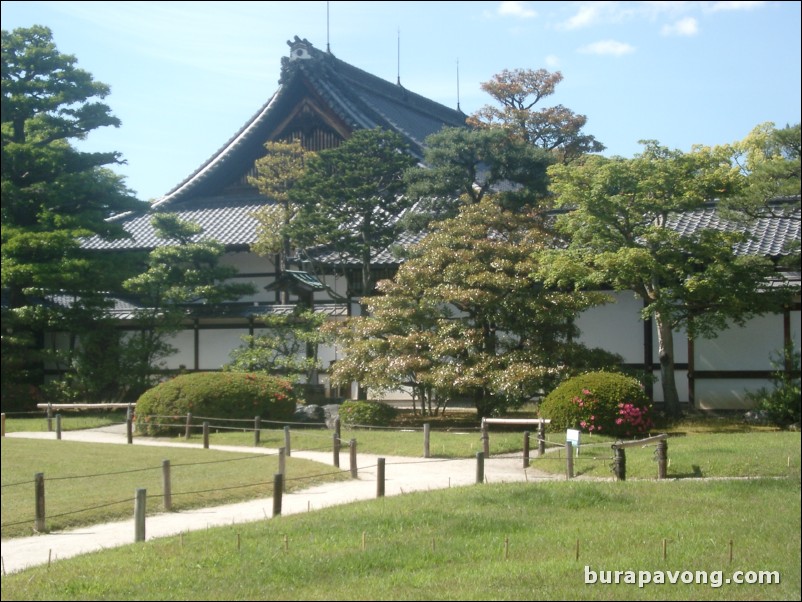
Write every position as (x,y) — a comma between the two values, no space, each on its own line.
(606,403)
(366,413)
(213,395)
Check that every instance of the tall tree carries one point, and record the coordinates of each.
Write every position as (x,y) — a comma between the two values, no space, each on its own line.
(556,129)
(53,195)
(182,277)
(463,165)
(466,316)
(619,223)
(350,198)
(277,173)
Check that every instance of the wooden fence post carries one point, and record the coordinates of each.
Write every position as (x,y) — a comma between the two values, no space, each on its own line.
(278,490)
(188,427)
(335,449)
(662,455)
(49,417)
(480,467)
(282,461)
(541,439)
(619,463)
(526,449)
(426,435)
(58,426)
(485,439)
(380,478)
(352,449)
(569,460)
(139,514)
(39,492)
(167,486)
(257,430)
(3,424)
(129,430)
(287,440)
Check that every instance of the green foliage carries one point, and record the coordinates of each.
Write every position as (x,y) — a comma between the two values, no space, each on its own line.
(782,404)
(605,403)
(53,196)
(288,345)
(466,315)
(619,224)
(350,198)
(215,395)
(366,413)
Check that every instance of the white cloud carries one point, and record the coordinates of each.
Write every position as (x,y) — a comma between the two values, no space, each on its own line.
(611,47)
(734,5)
(552,61)
(586,16)
(516,9)
(684,27)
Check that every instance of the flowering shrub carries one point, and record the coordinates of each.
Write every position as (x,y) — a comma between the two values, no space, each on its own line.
(367,413)
(599,402)
(213,395)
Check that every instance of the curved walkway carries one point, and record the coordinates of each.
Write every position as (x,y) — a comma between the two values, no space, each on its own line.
(402,475)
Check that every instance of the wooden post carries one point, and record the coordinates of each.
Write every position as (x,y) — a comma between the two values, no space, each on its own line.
(480,467)
(139,514)
(282,461)
(337,428)
(569,460)
(278,490)
(619,463)
(335,449)
(257,430)
(526,449)
(662,455)
(287,440)
(188,427)
(541,439)
(39,492)
(167,486)
(49,417)
(485,439)
(426,434)
(352,450)
(129,431)
(58,426)
(380,478)
(3,424)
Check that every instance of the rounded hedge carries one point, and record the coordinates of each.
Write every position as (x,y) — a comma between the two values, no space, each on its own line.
(213,395)
(608,403)
(366,413)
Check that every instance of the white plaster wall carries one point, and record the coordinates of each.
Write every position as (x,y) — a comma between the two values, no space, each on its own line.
(184,341)
(616,327)
(727,394)
(742,348)
(215,346)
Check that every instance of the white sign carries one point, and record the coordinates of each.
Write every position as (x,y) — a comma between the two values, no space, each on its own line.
(572,437)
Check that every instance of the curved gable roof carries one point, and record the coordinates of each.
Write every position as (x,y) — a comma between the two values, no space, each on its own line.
(359,99)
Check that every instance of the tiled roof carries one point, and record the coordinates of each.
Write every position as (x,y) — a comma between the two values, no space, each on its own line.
(770,235)
(228,222)
(362,100)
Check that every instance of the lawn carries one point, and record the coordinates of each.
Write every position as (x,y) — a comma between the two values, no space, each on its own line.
(520,541)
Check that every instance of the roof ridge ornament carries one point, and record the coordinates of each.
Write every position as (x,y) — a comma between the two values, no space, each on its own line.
(300,50)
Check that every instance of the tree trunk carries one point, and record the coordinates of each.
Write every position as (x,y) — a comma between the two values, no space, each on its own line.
(665,345)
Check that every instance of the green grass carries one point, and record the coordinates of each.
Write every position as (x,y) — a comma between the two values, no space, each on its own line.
(763,453)
(36,422)
(76,497)
(482,542)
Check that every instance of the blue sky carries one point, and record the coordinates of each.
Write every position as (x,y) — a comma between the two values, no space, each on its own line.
(185,76)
